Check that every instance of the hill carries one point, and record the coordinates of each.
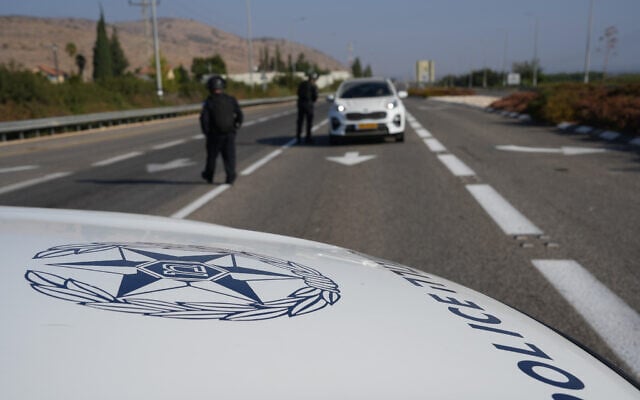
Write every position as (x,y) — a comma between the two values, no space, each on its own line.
(28,41)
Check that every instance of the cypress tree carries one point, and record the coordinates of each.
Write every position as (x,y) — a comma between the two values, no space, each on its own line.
(119,61)
(102,66)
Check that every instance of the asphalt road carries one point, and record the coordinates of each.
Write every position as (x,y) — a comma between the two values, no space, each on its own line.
(572,262)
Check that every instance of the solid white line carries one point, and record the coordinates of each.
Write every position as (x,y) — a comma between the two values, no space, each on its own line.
(510,220)
(435,145)
(616,323)
(116,159)
(17,169)
(455,165)
(199,136)
(253,167)
(423,133)
(31,182)
(167,144)
(201,201)
(318,125)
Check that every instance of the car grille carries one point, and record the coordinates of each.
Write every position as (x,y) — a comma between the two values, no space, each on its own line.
(373,115)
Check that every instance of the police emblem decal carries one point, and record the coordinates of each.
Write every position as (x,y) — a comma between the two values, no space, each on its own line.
(183,282)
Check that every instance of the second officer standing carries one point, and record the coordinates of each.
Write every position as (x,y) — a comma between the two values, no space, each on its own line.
(307,96)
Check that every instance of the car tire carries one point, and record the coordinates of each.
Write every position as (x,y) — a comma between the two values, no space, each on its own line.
(400,137)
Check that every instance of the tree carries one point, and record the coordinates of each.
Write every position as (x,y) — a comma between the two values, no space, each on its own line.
(207,66)
(525,69)
(367,71)
(279,64)
(356,68)
(71,49)
(81,62)
(301,63)
(119,61)
(102,66)
(181,74)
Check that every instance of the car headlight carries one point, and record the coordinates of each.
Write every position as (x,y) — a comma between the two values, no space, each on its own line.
(340,107)
(392,104)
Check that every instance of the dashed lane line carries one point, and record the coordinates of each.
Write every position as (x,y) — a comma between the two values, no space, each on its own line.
(168,144)
(510,220)
(253,167)
(455,165)
(116,159)
(613,320)
(434,145)
(18,169)
(32,182)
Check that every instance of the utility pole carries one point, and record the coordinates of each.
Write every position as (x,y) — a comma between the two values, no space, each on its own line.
(145,5)
(587,53)
(535,54)
(250,43)
(54,47)
(504,59)
(156,45)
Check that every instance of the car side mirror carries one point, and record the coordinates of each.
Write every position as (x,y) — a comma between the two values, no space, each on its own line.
(403,94)
(331,98)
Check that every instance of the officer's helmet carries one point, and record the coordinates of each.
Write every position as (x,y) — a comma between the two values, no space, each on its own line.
(216,82)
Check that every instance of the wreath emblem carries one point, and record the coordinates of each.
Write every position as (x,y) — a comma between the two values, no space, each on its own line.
(182,282)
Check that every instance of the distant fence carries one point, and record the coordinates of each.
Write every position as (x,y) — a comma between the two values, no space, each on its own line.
(49,126)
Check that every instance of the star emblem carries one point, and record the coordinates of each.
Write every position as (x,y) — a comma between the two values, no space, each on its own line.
(145,271)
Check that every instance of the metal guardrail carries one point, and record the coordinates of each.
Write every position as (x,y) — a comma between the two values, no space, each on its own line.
(49,126)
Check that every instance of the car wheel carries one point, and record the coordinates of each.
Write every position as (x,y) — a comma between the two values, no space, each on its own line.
(400,137)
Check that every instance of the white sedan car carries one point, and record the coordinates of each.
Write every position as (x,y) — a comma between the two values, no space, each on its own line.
(366,107)
(97,305)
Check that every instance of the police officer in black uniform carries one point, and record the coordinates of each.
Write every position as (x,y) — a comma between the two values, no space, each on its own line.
(307,96)
(221,116)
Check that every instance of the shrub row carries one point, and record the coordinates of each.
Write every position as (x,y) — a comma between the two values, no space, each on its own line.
(440,91)
(25,95)
(605,107)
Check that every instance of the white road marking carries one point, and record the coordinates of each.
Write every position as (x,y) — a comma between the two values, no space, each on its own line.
(564,125)
(31,182)
(415,125)
(199,136)
(289,143)
(17,169)
(168,144)
(423,133)
(351,158)
(253,167)
(199,202)
(455,165)
(583,129)
(510,220)
(566,150)
(614,321)
(116,159)
(435,145)
(609,135)
(178,163)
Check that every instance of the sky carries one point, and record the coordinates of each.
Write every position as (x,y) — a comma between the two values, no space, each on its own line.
(390,36)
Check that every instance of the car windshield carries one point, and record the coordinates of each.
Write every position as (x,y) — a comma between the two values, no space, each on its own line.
(365,89)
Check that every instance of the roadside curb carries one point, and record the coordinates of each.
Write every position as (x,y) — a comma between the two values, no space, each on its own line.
(570,127)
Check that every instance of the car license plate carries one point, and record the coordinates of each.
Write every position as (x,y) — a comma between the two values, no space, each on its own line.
(364,127)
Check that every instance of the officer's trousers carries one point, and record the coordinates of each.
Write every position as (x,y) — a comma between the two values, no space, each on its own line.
(225,145)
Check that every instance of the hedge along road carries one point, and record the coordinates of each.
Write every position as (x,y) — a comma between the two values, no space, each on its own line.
(405,204)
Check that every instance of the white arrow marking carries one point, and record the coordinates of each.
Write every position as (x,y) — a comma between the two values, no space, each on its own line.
(351,158)
(567,151)
(179,163)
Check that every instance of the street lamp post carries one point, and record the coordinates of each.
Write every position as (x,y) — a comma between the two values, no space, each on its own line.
(293,62)
(535,54)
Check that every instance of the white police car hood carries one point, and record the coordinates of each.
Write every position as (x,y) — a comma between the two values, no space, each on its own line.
(117,306)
